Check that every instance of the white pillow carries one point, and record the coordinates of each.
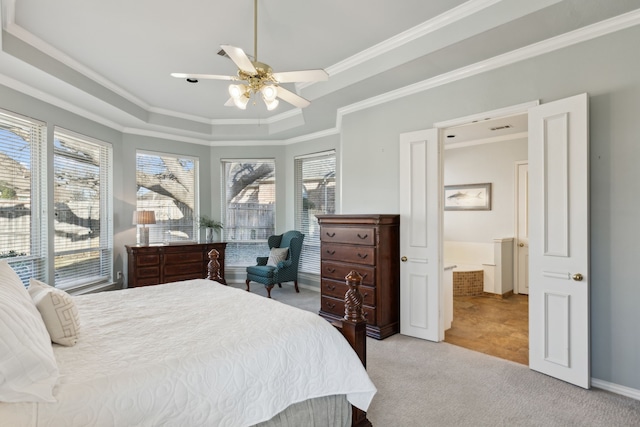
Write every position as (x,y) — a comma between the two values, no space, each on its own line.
(28,369)
(58,311)
(276,255)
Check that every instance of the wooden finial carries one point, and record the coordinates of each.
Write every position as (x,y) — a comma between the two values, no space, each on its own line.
(353,297)
(213,268)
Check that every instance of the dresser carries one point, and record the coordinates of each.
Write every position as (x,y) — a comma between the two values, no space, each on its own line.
(370,245)
(154,264)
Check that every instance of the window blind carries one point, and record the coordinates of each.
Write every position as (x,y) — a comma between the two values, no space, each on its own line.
(167,184)
(23,225)
(83,240)
(249,208)
(315,184)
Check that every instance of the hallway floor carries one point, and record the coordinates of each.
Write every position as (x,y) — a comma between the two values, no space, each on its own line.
(495,326)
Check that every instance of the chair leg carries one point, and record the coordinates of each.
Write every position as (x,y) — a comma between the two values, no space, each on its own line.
(247,282)
(279,285)
(295,283)
(269,287)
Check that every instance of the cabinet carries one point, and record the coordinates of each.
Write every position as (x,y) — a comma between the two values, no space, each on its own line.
(154,264)
(370,245)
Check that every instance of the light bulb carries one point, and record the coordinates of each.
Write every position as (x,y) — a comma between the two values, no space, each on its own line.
(236,91)
(269,93)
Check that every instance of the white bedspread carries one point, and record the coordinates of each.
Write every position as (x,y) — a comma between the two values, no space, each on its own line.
(193,353)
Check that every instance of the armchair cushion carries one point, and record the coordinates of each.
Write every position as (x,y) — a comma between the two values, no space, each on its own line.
(277,255)
(263,271)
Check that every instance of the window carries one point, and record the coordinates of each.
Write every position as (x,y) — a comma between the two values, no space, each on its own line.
(250,209)
(83,226)
(167,185)
(23,225)
(315,183)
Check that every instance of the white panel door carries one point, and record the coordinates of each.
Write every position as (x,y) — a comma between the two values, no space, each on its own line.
(559,240)
(522,228)
(420,240)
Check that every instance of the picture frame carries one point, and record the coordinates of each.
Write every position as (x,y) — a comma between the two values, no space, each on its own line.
(467,197)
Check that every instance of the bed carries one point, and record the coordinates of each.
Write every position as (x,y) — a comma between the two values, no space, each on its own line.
(197,353)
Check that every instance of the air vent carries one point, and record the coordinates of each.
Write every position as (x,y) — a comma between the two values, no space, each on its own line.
(502,127)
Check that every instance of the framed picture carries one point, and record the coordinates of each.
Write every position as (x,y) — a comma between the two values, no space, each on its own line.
(468,197)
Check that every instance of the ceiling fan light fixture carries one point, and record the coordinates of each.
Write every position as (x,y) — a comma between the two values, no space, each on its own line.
(271,105)
(269,93)
(241,102)
(237,91)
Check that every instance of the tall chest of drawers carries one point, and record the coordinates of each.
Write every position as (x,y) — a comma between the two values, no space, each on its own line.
(370,245)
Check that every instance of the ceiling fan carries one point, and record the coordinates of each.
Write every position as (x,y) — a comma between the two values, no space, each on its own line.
(256,77)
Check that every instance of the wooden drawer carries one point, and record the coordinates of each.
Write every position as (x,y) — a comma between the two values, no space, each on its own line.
(337,289)
(151,259)
(349,253)
(182,258)
(351,235)
(189,269)
(336,306)
(148,272)
(338,271)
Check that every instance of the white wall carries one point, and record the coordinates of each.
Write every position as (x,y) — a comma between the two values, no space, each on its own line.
(493,163)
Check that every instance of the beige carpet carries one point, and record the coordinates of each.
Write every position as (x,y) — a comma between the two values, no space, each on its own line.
(421,383)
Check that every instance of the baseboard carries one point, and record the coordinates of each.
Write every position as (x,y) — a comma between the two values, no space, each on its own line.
(616,388)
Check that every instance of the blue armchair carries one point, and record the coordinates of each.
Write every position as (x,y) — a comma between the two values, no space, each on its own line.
(285,270)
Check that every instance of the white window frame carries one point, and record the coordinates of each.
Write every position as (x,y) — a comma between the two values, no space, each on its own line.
(35,263)
(243,252)
(310,255)
(161,234)
(104,274)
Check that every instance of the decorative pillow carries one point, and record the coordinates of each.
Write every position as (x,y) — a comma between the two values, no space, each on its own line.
(58,311)
(28,368)
(276,255)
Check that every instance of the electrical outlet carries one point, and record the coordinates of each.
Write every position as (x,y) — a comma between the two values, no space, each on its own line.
(119,275)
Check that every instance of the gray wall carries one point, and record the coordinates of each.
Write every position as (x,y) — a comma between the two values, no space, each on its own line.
(493,163)
(608,69)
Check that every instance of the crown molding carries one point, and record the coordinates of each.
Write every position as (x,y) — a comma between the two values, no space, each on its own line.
(590,32)
(421,30)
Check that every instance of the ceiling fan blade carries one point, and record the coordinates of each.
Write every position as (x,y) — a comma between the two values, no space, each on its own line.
(301,76)
(292,98)
(240,58)
(203,76)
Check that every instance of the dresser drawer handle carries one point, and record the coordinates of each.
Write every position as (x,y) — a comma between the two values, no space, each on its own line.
(331,287)
(366,294)
(364,275)
(332,270)
(331,234)
(331,252)
(362,256)
(363,237)
(331,305)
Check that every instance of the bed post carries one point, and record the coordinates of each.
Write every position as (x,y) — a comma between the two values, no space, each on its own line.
(354,329)
(213,268)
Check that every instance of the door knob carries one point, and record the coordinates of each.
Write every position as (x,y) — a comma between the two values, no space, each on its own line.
(577,277)
(403,259)
(521,245)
